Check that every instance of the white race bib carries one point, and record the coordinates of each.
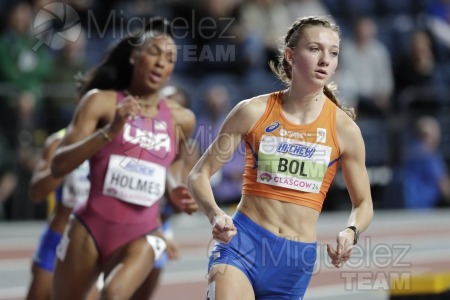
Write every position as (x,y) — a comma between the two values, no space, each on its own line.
(76,185)
(135,181)
(292,164)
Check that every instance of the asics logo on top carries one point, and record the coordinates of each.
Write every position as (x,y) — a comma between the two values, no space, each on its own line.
(273,126)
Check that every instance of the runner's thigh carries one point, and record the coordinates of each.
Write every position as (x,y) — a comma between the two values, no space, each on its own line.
(127,268)
(227,282)
(77,264)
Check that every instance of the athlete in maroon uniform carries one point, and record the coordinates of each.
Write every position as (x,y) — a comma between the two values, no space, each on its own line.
(131,137)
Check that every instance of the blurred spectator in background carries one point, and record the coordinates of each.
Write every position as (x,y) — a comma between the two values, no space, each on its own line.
(304,8)
(439,9)
(21,66)
(134,9)
(212,37)
(426,178)
(418,82)
(347,89)
(227,182)
(263,22)
(215,108)
(61,93)
(8,177)
(438,22)
(370,63)
(266,20)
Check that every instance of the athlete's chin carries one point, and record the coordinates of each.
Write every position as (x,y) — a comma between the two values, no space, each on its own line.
(321,77)
(154,86)
(317,83)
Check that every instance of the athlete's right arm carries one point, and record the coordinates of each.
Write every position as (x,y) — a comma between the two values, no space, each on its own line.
(42,182)
(84,138)
(236,126)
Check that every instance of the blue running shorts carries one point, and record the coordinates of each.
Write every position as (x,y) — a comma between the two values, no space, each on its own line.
(276,267)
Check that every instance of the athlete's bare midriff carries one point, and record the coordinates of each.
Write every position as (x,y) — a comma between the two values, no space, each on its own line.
(290,221)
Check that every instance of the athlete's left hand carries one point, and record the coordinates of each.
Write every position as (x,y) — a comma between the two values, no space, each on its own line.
(343,249)
(182,200)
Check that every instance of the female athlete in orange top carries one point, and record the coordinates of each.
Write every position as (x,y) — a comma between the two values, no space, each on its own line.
(294,140)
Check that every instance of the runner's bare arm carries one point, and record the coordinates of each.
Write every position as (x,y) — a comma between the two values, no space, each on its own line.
(79,143)
(184,121)
(178,193)
(235,127)
(42,182)
(353,156)
(355,174)
(82,139)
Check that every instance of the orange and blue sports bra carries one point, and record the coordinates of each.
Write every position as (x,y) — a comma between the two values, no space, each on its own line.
(288,162)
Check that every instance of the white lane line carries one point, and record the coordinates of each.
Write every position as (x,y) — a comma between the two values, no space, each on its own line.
(12,292)
(333,291)
(15,264)
(184,277)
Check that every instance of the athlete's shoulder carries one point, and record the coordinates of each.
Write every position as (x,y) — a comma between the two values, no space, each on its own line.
(255,106)
(95,95)
(348,131)
(98,102)
(179,111)
(345,123)
(246,114)
(181,115)
(176,107)
(54,138)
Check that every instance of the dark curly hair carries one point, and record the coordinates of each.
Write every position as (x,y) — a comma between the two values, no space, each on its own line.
(115,71)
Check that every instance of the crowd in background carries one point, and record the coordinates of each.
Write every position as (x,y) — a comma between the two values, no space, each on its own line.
(394,68)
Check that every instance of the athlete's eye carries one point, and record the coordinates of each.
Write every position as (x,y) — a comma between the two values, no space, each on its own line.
(153,50)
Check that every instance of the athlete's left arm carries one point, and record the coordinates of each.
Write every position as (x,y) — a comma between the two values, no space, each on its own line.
(184,121)
(356,178)
(353,158)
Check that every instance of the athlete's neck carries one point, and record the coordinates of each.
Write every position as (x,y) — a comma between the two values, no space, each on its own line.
(298,101)
(144,99)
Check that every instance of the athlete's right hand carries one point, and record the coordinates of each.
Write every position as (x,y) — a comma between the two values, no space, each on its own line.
(181,198)
(127,109)
(223,228)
